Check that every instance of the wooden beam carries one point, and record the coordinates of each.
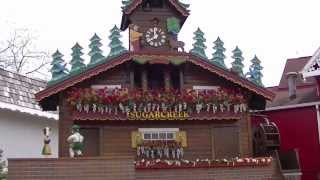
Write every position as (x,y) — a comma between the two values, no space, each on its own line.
(181,78)
(144,79)
(131,77)
(167,79)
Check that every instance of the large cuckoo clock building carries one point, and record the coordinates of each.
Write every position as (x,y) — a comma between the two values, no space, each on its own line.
(153,111)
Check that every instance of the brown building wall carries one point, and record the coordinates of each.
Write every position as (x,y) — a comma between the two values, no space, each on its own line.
(197,76)
(115,76)
(72,169)
(206,139)
(116,139)
(123,169)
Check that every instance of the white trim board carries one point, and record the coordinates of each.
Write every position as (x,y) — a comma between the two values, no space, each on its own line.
(30,111)
(291,106)
(305,72)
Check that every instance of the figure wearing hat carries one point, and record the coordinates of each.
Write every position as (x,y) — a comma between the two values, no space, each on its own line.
(75,141)
(135,37)
(46,150)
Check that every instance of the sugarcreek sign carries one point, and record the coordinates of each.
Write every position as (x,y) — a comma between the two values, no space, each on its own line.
(171,115)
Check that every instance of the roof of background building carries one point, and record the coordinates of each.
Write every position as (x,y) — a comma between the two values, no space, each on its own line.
(17,93)
(306,89)
(295,65)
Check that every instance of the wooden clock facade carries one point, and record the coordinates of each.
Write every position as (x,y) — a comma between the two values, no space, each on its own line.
(155,101)
(155,68)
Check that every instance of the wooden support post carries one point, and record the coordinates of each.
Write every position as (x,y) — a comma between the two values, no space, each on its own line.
(167,80)
(65,124)
(144,80)
(131,76)
(181,78)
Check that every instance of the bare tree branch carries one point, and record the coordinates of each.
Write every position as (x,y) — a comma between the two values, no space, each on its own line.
(19,54)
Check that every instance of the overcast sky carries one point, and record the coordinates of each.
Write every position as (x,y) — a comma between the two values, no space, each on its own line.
(273,29)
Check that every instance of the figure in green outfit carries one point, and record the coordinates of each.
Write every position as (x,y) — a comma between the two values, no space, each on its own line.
(76,142)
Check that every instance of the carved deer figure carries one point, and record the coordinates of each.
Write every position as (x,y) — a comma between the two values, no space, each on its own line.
(175,44)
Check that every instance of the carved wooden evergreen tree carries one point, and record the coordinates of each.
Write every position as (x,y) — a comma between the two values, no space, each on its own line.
(116,47)
(184,4)
(126,3)
(76,62)
(58,69)
(199,47)
(255,74)
(237,65)
(95,52)
(218,55)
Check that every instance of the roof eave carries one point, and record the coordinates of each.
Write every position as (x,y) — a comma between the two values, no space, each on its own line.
(269,95)
(73,80)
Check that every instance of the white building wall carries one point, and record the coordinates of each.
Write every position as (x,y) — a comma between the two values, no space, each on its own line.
(21,134)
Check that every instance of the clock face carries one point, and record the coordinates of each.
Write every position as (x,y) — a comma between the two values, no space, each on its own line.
(155,37)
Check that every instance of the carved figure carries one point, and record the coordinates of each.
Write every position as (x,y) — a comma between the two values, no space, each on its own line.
(76,142)
(46,150)
(175,44)
(135,36)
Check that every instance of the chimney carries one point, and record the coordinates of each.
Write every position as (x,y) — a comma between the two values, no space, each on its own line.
(292,84)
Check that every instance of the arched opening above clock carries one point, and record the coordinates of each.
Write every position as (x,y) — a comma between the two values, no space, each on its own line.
(141,10)
(157,76)
(147,5)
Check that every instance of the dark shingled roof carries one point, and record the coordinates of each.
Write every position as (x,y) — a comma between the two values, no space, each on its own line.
(19,90)
(306,89)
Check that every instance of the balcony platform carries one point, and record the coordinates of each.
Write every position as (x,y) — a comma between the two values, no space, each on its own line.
(123,168)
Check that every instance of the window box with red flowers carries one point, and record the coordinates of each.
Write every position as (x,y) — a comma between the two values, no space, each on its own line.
(157,104)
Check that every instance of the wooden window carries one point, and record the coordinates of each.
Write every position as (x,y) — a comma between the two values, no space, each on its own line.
(154,134)
(225,142)
(91,141)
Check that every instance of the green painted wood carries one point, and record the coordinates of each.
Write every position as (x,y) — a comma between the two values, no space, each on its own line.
(237,64)
(218,56)
(116,47)
(77,63)
(199,47)
(95,51)
(255,75)
(58,69)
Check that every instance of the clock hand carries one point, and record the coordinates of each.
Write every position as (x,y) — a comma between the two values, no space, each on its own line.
(155,35)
